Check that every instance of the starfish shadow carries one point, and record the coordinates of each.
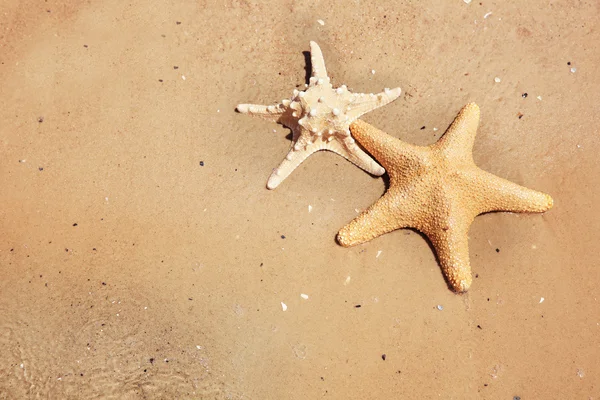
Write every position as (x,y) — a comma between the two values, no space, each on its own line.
(308,67)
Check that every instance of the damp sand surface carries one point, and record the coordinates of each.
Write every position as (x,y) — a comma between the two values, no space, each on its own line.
(142,257)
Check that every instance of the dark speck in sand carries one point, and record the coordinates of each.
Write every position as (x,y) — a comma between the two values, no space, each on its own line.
(524,95)
(497,250)
(357,306)
(383,357)
(202,163)
(283,236)
(40,119)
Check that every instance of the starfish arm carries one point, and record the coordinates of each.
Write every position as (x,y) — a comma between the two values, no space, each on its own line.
(271,113)
(317,61)
(299,152)
(451,244)
(384,216)
(460,136)
(351,152)
(363,103)
(498,194)
(384,148)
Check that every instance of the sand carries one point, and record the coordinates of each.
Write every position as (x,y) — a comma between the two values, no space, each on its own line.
(142,257)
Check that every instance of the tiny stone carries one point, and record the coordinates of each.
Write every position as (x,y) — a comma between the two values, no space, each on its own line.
(497,80)
(517,398)
(283,306)
(304,296)
(440,307)
(383,357)
(467,1)
(321,22)
(202,163)
(524,95)
(573,70)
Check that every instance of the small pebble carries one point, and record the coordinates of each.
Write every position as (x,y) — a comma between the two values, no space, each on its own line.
(497,80)
(304,296)
(539,98)
(321,22)
(378,254)
(541,300)
(467,1)
(383,357)
(309,208)
(440,307)
(373,71)
(573,70)
(283,306)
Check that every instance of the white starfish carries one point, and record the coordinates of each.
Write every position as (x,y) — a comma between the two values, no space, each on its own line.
(320,119)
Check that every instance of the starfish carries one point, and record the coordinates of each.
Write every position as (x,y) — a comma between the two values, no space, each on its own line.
(320,118)
(437,190)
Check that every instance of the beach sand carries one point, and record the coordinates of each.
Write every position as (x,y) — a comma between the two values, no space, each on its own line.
(142,257)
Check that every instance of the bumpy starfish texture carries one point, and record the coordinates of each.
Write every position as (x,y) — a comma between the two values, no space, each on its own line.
(320,118)
(437,190)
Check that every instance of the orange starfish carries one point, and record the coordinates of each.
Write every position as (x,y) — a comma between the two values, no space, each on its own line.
(437,190)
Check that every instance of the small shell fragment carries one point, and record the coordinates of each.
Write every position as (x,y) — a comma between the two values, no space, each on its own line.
(283,306)
(497,80)
(304,296)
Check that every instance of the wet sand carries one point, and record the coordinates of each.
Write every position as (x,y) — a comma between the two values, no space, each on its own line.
(141,255)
